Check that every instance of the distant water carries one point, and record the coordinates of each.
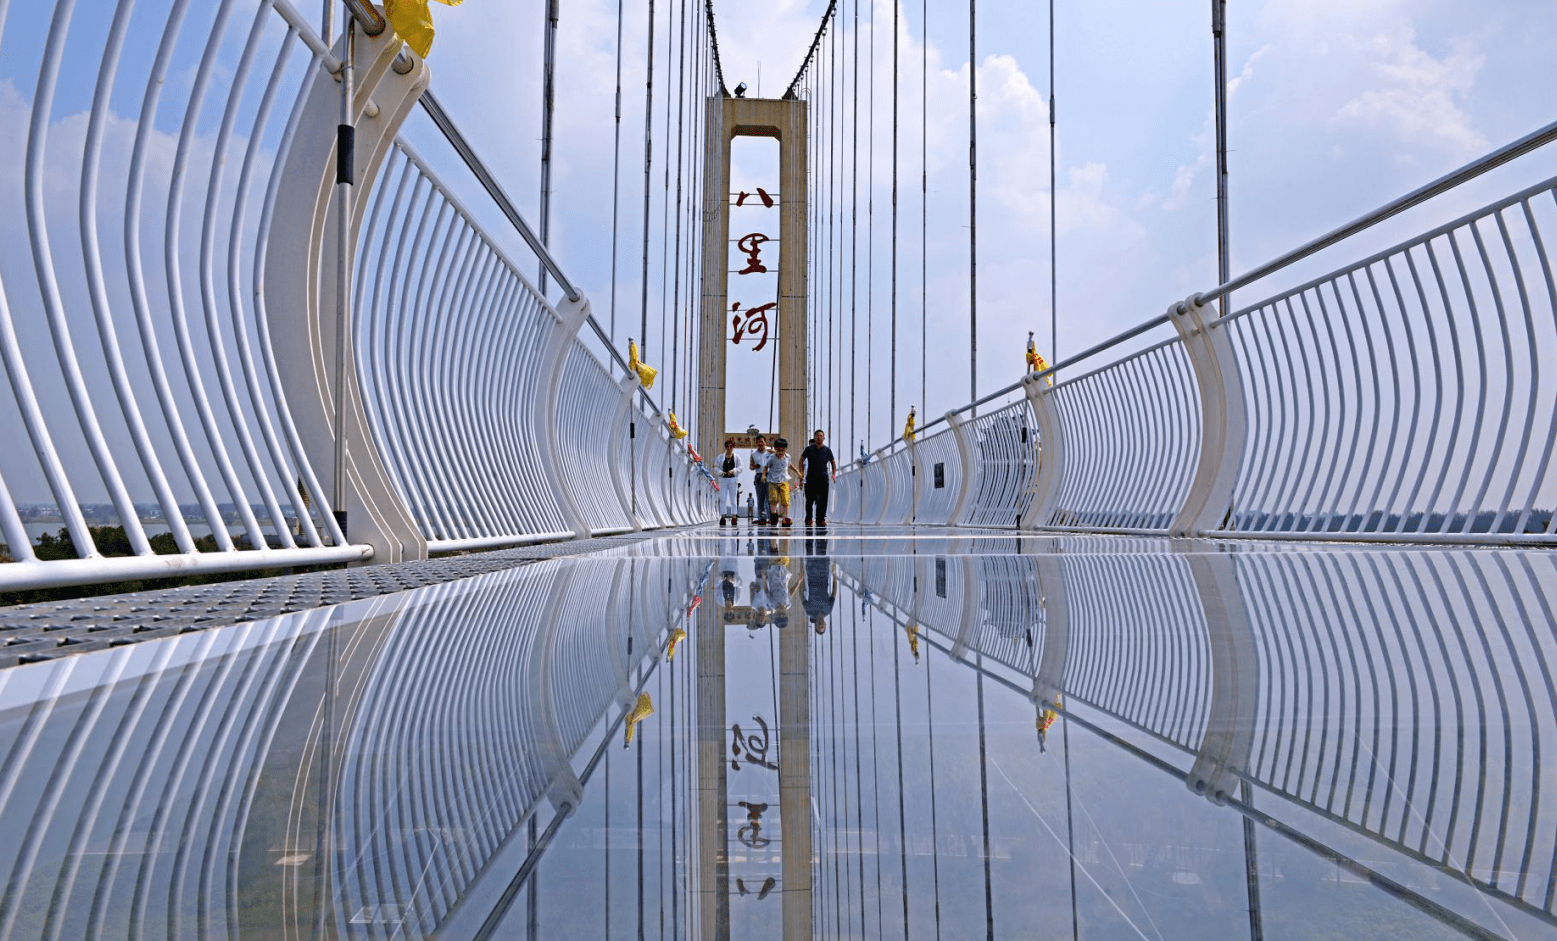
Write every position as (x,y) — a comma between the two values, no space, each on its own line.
(34,530)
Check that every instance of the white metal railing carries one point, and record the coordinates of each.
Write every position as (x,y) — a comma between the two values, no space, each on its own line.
(1316,676)
(183,388)
(346,735)
(1398,398)
(176,420)
(457,349)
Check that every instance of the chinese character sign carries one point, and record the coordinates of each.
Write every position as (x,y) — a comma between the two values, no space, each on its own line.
(762,194)
(753,322)
(750,746)
(751,245)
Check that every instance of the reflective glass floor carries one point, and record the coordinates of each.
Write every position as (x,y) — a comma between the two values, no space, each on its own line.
(866,733)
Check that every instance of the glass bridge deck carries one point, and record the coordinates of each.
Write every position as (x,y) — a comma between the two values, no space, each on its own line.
(858,733)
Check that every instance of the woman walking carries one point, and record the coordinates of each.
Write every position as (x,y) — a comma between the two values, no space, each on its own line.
(729,469)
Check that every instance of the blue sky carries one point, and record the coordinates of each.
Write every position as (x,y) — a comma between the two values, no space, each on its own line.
(1335,108)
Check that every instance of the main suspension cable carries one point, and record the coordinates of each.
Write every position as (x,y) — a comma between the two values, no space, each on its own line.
(870,243)
(924,212)
(681,108)
(1054,274)
(832,229)
(616,170)
(854,269)
(713,40)
(811,53)
(892,397)
(670,20)
(648,164)
(973,206)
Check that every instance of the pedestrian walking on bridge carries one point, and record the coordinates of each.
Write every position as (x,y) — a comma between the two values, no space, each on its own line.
(758,462)
(729,471)
(820,469)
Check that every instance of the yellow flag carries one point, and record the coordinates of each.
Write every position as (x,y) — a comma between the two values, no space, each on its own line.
(1046,717)
(646,374)
(676,636)
(412,21)
(908,426)
(641,710)
(1035,361)
(675,429)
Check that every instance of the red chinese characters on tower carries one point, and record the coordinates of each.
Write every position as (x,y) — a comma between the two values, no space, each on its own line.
(754,322)
(762,194)
(751,245)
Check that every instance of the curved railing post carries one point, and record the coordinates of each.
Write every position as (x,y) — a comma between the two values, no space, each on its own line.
(668,483)
(302,297)
(629,386)
(563,787)
(571,316)
(972,610)
(916,475)
(1050,448)
(886,484)
(1223,423)
(1229,737)
(959,430)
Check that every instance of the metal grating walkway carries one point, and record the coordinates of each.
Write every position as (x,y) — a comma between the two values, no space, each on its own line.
(34,632)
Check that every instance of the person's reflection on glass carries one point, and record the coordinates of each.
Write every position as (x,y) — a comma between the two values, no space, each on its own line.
(761,603)
(821,584)
(774,585)
(767,886)
(729,584)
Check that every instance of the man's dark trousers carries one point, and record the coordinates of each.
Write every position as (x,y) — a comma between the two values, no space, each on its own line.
(816,498)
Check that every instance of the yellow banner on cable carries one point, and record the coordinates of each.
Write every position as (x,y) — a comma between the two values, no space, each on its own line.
(642,709)
(412,21)
(908,426)
(1035,361)
(675,427)
(646,374)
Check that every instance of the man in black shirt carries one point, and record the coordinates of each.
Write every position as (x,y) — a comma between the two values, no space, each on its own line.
(819,467)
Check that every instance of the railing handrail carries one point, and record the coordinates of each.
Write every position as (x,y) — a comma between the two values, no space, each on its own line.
(1394,207)
(367,14)
(1469,171)
(920,432)
(451,132)
(494,189)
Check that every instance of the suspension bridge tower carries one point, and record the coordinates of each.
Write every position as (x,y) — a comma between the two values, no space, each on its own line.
(731,320)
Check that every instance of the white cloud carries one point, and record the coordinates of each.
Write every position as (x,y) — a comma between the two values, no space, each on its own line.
(1416,98)
(1186,177)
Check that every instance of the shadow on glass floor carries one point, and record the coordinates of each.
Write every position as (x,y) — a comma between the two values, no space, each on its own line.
(759,736)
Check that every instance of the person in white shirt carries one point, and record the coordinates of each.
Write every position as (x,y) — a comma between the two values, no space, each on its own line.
(780,473)
(759,466)
(727,469)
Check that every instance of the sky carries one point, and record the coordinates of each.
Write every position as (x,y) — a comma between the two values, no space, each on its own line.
(1333,109)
